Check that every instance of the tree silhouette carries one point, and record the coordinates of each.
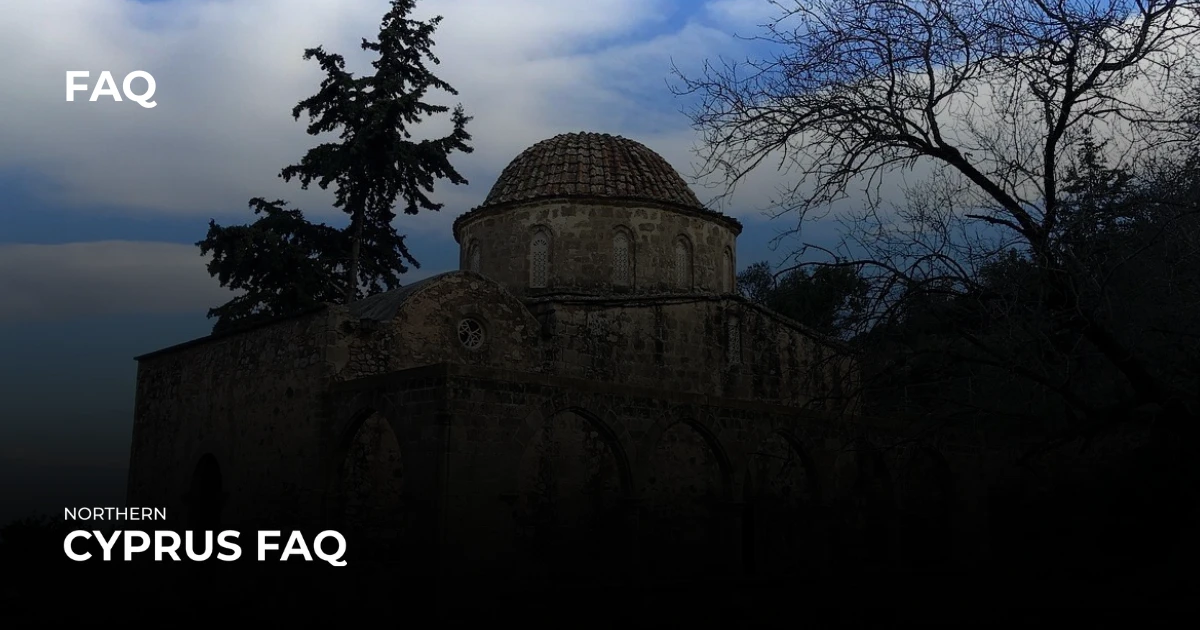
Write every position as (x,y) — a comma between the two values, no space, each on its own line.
(374,162)
(283,263)
(1001,101)
(826,299)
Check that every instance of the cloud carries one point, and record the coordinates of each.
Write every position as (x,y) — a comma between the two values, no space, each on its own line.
(76,280)
(744,16)
(228,74)
(104,277)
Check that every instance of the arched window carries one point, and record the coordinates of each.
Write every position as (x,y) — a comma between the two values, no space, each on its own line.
(539,260)
(734,334)
(473,255)
(622,260)
(727,271)
(683,263)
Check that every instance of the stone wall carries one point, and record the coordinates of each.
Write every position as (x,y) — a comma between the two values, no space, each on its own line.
(387,444)
(251,400)
(551,478)
(718,346)
(254,399)
(484,444)
(581,246)
(424,330)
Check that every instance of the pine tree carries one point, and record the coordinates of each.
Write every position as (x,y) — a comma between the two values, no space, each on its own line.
(373,163)
(283,263)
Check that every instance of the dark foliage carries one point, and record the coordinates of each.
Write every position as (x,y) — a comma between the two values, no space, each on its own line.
(826,299)
(285,264)
(1025,278)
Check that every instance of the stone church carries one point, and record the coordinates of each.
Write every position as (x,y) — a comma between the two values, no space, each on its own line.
(586,394)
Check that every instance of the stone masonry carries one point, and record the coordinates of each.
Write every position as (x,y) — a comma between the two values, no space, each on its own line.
(586,398)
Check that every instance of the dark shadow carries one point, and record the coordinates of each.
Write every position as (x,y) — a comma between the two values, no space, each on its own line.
(927,501)
(204,504)
(866,507)
(781,494)
(688,506)
(570,512)
(369,503)
(206,497)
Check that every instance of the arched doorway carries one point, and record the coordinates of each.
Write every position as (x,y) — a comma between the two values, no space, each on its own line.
(206,497)
(371,502)
(204,502)
(687,498)
(570,509)
(781,496)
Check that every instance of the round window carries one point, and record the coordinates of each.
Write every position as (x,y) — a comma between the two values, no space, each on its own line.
(470,334)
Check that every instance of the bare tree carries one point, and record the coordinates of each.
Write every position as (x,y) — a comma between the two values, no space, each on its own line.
(992,102)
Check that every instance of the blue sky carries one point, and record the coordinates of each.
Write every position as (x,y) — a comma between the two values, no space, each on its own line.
(101,203)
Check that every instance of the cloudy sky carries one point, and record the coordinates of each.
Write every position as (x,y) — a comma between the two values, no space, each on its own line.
(101,202)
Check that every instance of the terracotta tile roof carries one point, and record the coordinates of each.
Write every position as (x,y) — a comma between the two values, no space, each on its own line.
(590,165)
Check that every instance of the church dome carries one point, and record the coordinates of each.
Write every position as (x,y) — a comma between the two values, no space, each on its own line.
(593,213)
(591,165)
